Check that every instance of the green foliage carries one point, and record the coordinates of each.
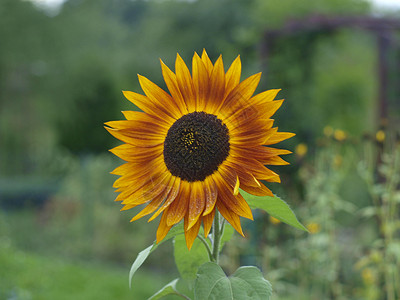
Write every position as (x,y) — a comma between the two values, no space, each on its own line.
(169,289)
(199,265)
(380,169)
(142,256)
(245,283)
(274,13)
(31,276)
(276,207)
(188,262)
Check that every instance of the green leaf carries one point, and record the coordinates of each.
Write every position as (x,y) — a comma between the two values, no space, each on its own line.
(275,206)
(188,262)
(168,289)
(256,280)
(245,283)
(142,256)
(139,261)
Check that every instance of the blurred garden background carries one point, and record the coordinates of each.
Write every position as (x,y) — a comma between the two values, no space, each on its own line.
(62,69)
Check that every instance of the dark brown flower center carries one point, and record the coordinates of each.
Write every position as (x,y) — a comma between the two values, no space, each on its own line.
(196,144)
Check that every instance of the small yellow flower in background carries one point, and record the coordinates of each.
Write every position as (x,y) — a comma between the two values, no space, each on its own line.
(376,256)
(362,262)
(328,131)
(301,149)
(273,220)
(337,160)
(339,135)
(190,150)
(313,228)
(368,276)
(380,136)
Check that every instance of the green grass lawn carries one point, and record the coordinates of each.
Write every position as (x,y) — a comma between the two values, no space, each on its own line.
(30,276)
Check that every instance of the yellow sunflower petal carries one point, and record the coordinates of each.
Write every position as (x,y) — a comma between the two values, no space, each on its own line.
(172,84)
(155,93)
(230,216)
(185,83)
(136,139)
(192,233)
(163,228)
(207,62)
(233,75)
(155,202)
(261,190)
(179,206)
(147,106)
(207,222)
(201,82)
(211,193)
(138,154)
(240,95)
(278,137)
(146,118)
(196,203)
(236,204)
(175,188)
(236,188)
(217,88)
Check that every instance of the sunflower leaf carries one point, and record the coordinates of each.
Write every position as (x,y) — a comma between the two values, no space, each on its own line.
(274,206)
(142,256)
(188,262)
(245,283)
(168,289)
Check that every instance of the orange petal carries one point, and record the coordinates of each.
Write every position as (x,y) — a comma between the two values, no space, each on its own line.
(233,75)
(172,84)
(211,193)
(245,177)
(207,62)
(278,137)
(264,97)
(192,233)
(236,188)
(196,203)
(146,118)
(201,82)
(217,87)
(179,206)
(268,109)
(155,202)
(151,189)
(146,105)
(236,204)
(256,168)
(135,154)
(158,95)
(163,228)
(175,188)
(230,216)
(275,161)
(208,222)
(136,139)
(185,83)
(240,95)
(261,190)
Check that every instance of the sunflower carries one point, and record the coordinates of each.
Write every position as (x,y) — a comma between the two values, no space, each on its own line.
(189,151)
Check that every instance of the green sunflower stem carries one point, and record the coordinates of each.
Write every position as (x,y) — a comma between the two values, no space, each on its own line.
(218,229)
(208,248)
